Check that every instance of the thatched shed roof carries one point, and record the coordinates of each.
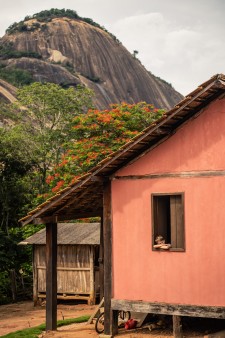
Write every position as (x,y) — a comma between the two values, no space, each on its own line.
(84,198)
(69,233)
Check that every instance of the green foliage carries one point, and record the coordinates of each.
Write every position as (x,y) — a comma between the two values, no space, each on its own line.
(47,16)
(15,76)
(5,296)
(16,178)
(43,16)
(27,150)
(12,257)
(93,78)
(26,333)
(22,27)
(7,252)
(96,135)
(16,191)
(55,13)
(36,331)
(51,110)
(6,112)
(30,148)
(7,51)
(30,229)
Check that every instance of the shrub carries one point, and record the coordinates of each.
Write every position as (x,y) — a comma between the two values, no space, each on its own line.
(15,76)
(7,51)
(47,16)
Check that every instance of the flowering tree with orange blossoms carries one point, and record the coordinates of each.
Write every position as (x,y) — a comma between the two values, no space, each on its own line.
(96,135)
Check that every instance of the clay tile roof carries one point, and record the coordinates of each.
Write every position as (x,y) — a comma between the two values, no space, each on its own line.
(84,198)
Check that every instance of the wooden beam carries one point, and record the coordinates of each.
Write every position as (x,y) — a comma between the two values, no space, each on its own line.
(184,174)
(45,220)
(64,217)
(100,179)
(51,276)
(169,309)
(107,220)
(64,268)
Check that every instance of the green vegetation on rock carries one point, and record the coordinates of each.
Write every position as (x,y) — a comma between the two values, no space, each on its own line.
(15,76)
(7,51)
(47,16)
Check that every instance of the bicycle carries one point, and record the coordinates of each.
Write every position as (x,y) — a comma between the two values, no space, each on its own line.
(123,316)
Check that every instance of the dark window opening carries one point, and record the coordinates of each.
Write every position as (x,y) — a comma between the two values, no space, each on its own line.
(168,219)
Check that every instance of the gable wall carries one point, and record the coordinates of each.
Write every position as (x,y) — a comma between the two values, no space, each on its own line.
(195,146)
(195,276)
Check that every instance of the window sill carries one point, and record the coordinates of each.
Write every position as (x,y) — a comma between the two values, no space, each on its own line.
(169,250)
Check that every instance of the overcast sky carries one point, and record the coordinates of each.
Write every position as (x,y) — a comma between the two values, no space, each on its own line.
(181,41)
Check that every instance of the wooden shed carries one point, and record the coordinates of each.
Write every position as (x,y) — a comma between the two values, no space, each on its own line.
(169,180)
(77,262)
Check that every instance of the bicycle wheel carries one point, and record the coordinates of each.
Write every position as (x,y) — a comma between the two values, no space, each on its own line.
(99,324)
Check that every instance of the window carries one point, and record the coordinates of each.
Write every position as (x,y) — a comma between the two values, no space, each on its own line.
(168,219)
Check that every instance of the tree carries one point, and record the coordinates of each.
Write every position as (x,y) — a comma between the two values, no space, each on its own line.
(16,176)
(28,149)
(96,135)
(17,190)
(58,138)
(47,112)
(135,53)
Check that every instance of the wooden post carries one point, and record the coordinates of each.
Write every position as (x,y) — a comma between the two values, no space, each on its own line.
(177,327)
(51,276)
(91,299)
(107,220)
(115,322)
(35,276)
(101,260)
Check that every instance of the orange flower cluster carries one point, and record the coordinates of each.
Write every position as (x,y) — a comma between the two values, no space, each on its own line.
(96,135)
(58,186)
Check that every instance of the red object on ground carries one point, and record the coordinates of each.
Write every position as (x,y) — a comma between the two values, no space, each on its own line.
(130,324)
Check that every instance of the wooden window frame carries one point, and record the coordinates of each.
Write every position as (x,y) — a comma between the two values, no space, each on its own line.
(172,228)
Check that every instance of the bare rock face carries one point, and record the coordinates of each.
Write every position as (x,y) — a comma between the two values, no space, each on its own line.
(7,92)
(73,52)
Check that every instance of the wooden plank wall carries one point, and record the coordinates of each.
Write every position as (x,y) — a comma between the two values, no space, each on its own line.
(75,269)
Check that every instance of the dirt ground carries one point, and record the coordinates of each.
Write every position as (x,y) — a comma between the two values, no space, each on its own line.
(22,315)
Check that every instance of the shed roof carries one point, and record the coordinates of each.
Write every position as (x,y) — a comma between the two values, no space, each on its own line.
(69,233)
(84,198)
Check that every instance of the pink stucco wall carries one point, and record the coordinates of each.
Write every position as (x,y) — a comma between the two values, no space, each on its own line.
(196,276)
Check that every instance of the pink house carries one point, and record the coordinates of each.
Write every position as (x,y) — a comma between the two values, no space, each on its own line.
(168,181)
